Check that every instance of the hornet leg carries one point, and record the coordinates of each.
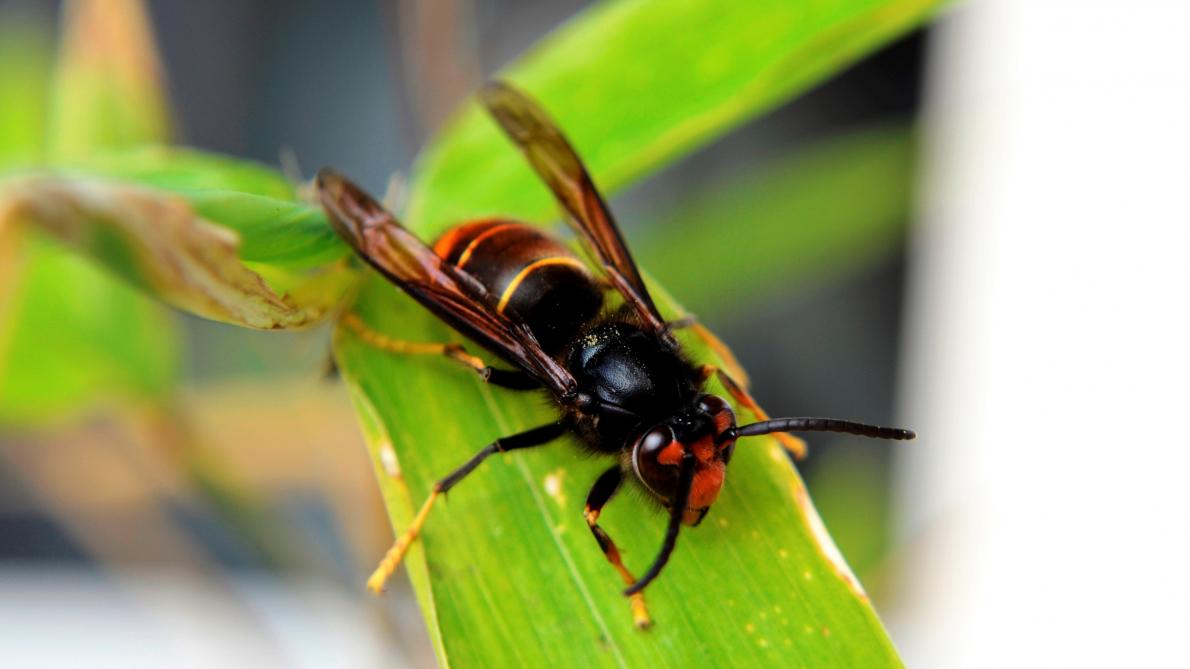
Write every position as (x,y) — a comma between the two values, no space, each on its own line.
(505,378)
(392,559)
(605,486)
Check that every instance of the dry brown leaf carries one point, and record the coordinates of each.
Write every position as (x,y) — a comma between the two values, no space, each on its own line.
(156,241)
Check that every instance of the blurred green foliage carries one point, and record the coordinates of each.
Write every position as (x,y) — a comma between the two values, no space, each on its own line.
(829,210)
(74,335)
(25,63)
(70,333)
(683,72)
(108,87)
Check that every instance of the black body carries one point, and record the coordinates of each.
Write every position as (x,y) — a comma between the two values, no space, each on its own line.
(638,379)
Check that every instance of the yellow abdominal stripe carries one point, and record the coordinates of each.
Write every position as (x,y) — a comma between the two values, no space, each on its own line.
(527,270)
(466,255)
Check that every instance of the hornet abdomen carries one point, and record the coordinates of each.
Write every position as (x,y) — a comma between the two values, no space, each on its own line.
(527,274)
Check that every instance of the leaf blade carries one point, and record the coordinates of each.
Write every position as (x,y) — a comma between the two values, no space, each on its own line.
(659,105)
(548,576)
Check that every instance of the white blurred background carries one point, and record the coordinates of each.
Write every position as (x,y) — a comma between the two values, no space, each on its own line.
(1044,512)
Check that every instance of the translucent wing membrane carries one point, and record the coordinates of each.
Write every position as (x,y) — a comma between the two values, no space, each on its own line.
(450,293)
(555,161)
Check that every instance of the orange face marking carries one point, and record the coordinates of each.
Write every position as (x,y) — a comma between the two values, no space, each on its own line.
(704,450)
(671,454)
(709,474)
(705,487)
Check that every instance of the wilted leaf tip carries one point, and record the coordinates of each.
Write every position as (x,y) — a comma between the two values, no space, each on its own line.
(156,241)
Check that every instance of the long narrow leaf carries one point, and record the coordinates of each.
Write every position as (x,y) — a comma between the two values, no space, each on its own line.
(508,574)
(639,84)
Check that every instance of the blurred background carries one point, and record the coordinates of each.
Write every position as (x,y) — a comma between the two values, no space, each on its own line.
(988,249)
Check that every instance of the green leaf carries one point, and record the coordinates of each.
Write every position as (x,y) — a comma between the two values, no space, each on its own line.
(508,575)
(271,231)
(256,201)
(273,224)
(827,211)
(636,85)
(72,336)
(180,170)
